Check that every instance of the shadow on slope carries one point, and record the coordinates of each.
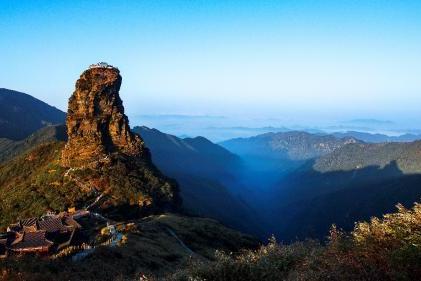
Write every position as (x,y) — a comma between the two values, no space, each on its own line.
(10,148)
(208,177)
(22,114)
(312,201)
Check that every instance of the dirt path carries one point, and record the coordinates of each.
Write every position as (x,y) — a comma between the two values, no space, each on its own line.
(183,245)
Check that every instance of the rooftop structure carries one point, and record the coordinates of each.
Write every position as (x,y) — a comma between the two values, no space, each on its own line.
(35,235)
(50,224)
(101,65)
(31,242)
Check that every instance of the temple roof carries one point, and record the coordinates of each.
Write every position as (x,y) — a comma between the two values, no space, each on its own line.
(31,240)
(51,225)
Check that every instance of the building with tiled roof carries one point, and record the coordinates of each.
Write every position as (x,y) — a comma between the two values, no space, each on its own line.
(29,224)
(35,235)
(52,225)
(31,242)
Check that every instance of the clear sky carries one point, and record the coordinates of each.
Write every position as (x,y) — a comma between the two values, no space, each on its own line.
(286,59)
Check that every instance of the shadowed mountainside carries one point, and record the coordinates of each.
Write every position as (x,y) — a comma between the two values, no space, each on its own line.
(10,149)
(22,114)
(270,157)
(207,175)
(178,155)
(352,183)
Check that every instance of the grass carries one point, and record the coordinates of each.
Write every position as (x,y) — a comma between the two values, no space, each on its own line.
(387,248)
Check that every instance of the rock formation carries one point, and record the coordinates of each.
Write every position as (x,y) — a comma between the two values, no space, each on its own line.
(96,123)
(103,155)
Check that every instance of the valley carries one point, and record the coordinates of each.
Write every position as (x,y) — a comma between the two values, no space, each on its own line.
(146,190)
(210,140)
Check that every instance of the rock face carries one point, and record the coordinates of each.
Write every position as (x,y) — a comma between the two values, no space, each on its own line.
(103,155)
(96,123)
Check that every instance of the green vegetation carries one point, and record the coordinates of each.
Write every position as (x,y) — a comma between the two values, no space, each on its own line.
(33,183)
(10,149)
(295,146)
(350,184)
(382,249)
(363,155)
(150,249)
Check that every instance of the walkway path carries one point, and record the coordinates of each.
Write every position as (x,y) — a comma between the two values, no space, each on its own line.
(184,246)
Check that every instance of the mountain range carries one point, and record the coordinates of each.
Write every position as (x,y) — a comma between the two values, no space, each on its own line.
(292,184)
(208,177)
(377,138)
(295,184)
(307,182)
(352,183)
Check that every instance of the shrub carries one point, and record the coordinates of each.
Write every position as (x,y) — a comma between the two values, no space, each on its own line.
(271,262)
(382,249)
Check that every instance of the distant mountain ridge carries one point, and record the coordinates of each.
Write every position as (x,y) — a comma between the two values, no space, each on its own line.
(377,138)
(22,114)
(215,160)
(294,145)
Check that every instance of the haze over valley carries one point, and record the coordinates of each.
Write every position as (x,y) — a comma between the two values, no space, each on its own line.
(210,140)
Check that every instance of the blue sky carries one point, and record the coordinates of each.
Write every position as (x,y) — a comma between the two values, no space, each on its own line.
(295,60)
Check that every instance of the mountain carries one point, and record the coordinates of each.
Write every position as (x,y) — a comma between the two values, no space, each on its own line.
(10,149)
(21,115)
(270,156)
(101,157)
(305,182)
(186,154)
(377,138)
(207,176)
(132,212)
(352,183)
(293,145)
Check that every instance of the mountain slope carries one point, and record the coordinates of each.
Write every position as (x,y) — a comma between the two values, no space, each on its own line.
(273,155)
(198,155)
(352,183)
(270,157)
(21,114)
(10,149)
(154,246)
(207,175)
(101,157)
